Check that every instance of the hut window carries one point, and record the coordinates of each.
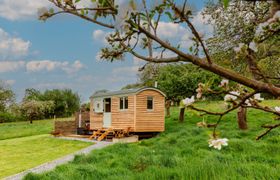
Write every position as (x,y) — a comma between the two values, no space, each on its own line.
(124,102)
(150,103)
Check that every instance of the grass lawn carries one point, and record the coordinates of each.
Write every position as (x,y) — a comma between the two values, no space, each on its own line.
(182,152)
(23,129)
(19,154)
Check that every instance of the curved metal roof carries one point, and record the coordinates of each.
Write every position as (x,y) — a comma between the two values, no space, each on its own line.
(125,92)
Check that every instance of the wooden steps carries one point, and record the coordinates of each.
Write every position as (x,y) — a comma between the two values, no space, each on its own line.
(109,133)
(101,134)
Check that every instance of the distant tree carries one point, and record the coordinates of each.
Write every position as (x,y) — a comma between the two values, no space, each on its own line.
(32,94)
(148,73)
(7,96)
(34,109)
(85,107)
(132,86)
(181,80)
(66,102)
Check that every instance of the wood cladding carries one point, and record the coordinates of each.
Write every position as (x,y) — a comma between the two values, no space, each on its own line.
(137,116)
(123,119)
(96,119)
(150,120)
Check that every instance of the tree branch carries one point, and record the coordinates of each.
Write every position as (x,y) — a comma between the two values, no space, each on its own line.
(269,128)
(226,73)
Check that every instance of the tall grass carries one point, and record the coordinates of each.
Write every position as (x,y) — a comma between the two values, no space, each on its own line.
(182,152)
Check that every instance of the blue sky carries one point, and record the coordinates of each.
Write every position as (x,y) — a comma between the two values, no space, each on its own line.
(63,51)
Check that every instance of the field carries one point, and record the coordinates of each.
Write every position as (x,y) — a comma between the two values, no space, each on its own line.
(24,145)
(23,129)
(182,152)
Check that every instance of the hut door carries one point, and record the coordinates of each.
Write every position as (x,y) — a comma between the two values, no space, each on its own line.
(107,121)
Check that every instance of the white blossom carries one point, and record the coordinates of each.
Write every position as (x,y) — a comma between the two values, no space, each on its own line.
(260,28)
(224,83)
(238,49)
(231,96)
(277,108)
(253,46)
(124,11)
(218,143)
(188,101)
(277,15)
(247,102)
(258,97)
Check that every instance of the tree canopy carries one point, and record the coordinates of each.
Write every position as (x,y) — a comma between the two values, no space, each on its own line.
(7,96)
(65,102)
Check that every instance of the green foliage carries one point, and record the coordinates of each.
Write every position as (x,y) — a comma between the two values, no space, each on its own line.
(228,35)
(132,86)
(179,81)
(182,152)
(8,117)
(7,97)
(66,102)
(34,109)
(85,106)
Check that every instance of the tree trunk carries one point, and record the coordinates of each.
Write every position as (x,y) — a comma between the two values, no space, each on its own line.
(182,115)
(167,106)
(242,118)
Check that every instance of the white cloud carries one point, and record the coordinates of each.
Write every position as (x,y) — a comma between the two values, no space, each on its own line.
(124,71)
(173,32)
(47,65)
(72,68)
(56,85)
(170,30)
(35,66)
(21,9)
(8,66)
(200,23)
(100,36)
(12,46)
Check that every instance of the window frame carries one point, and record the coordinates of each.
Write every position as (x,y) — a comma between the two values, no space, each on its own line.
(152,99)
(122,103)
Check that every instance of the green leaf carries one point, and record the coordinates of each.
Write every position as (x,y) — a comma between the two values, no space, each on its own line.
(51,10)
(169,15)
(82,12)
(191,49)
(226,3)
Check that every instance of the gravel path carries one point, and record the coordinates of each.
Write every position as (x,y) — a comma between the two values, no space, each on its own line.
(52,164)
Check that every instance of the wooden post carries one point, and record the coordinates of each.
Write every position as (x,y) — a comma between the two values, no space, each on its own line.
(182,115)
(167,106)
(242,118)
